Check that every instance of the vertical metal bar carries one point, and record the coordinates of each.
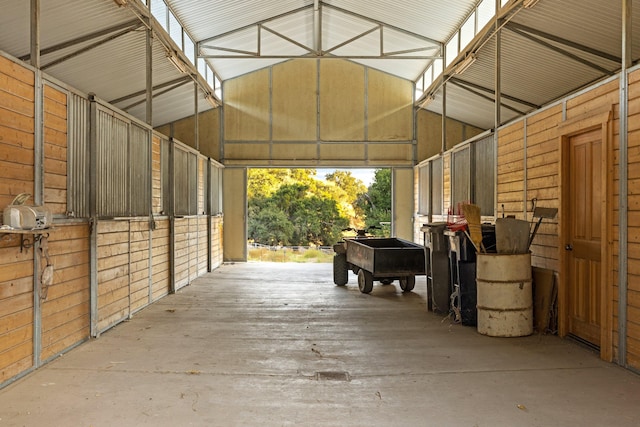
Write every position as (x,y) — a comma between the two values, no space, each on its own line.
(93,222)
(317,40)
(623,191)
(524,189)
(394,221)
(498,69)
(444,118)
(208,210)
(172,219)
(35,33)
(38,189)
(149,77)
(149,120)
(498,101)
(196,136)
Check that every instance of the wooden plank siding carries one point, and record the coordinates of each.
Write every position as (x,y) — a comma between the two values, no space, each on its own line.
(202,246)
(633,256)
(16,308)
(181,269)
(193,248)
(17,95)
(65,310)
(156,175)
(160,260)
(113,273)
(133,262)
(510,182)
(446,184)
(55,150)
(17,106)
(216,241)
(543,183)
(139,281)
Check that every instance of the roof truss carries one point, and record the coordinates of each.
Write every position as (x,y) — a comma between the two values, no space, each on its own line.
(222,46)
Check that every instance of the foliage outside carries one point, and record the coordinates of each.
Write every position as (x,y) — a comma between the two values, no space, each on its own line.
(292,207)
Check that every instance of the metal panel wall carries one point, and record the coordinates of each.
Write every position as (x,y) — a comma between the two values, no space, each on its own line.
(165,177)
(181,181)
(112,165)
(461,177)
(140,163)
(123,165)
(78,156)
(484,175)
(437,186)
(424,189)
(215,189)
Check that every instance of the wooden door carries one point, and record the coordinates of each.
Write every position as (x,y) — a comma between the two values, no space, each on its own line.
(584,244)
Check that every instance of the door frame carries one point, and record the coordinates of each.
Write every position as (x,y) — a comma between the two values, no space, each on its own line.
(602,120)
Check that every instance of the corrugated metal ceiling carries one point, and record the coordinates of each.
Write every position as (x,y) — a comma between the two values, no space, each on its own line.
(548,51)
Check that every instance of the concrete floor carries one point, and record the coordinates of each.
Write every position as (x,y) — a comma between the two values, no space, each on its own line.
(263,344)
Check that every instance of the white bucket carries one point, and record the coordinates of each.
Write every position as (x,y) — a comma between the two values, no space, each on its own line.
(505,295)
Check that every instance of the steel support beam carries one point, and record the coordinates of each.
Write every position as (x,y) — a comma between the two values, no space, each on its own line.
(491,92)
(515,26)
(35,34)
(89,47)
(140,93)
(561,51)
(133,25)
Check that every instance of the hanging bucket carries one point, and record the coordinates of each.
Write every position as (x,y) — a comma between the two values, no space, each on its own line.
(505,295)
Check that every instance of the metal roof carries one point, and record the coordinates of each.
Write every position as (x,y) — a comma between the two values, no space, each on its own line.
(547,51)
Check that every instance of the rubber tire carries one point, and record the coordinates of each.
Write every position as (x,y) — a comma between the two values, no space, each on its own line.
(407,283)
(386,281)
(340,269)
(365,281)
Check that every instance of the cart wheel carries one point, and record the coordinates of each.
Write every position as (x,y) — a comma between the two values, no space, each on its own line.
(365,281)
(407,283)
(386,281)
(340,270)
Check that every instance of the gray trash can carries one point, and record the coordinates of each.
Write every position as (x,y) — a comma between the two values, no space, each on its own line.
(437,267)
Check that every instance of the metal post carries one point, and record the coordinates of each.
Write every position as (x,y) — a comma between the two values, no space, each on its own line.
(498,70)
(623,191)
(35,33)
(149,121)
(444,118)
(172,220)
(317,28)
(196,138)
(93,222)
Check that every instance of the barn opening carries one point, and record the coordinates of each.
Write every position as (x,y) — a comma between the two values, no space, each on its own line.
(299,214)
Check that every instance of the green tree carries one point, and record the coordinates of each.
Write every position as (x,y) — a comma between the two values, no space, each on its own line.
(292,207)
(377,202)
(352,189)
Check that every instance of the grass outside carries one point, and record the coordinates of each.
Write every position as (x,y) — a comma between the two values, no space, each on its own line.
(267,254)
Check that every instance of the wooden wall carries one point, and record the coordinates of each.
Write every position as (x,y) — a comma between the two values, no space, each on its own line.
(160,282)
(55,149)
(65,310)
(16,308)
(17,96)
(133,258)
(529,166)
(16,130)
(633,258)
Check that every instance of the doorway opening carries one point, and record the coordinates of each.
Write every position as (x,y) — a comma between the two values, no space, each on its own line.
(297,215)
